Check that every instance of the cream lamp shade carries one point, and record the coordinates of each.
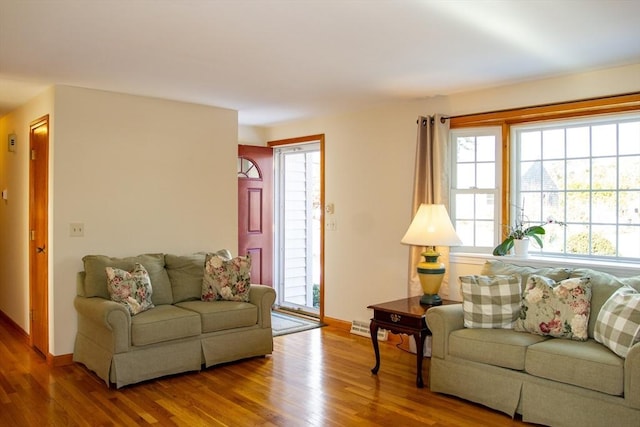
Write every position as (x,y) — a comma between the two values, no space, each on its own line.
(431,227)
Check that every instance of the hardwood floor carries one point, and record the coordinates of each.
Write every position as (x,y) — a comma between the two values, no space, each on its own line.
(315,378)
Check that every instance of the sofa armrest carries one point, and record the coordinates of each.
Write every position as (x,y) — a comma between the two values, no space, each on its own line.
(442,320)
(263,297)
(632,376)
(104,321)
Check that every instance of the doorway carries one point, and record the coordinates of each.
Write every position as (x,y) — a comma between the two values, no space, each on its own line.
(39,235)
(299,231)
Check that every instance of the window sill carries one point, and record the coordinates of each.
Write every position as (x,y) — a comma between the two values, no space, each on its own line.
(616,268)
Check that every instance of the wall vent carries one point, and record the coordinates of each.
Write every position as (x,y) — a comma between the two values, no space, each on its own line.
(362,328)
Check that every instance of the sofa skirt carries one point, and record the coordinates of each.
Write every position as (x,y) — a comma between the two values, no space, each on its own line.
(538,400)
(153,362)
(221,347)
(490,386)
(566,405)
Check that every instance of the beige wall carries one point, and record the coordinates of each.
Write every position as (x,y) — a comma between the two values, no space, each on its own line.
(142,174)
(369,167)
(251,135)
(14,218)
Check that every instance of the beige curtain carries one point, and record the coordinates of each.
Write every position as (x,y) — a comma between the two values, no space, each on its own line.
(430,184)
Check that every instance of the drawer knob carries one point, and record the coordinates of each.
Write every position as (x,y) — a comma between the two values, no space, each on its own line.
(395,318)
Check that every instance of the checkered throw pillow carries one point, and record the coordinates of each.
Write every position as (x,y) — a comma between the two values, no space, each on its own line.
(491,301)
(618,323)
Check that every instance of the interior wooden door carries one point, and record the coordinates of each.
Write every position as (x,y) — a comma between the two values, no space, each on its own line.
(38,234)
(255,210)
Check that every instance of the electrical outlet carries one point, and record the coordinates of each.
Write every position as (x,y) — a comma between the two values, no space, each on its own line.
(76,229)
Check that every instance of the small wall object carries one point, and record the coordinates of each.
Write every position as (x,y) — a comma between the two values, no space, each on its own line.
(12,142)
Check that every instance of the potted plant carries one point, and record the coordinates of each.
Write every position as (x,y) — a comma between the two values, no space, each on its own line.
(520,232)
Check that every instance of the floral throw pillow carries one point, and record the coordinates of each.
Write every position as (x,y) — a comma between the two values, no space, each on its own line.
(557,309)
(226,279)
(130,288)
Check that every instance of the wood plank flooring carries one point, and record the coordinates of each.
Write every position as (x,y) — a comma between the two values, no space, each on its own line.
(315,378)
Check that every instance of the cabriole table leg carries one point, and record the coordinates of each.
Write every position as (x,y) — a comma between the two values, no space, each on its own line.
(373,328)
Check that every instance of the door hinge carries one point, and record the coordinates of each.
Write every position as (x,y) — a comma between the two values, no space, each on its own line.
(33,234)
(31,315)
(33,154)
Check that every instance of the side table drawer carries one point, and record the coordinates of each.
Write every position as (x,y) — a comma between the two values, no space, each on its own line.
(400,319)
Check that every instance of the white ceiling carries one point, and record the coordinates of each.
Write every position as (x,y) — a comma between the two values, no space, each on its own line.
(278,60)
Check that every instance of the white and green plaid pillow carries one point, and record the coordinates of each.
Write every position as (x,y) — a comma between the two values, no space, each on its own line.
(491,301)
(618,323)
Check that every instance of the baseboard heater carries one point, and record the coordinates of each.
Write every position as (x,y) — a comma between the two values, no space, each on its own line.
(362,328)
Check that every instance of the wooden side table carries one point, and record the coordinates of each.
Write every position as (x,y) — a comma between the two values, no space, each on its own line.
(403,316)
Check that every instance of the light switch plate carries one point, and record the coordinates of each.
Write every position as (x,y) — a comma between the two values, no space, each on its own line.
(12,141)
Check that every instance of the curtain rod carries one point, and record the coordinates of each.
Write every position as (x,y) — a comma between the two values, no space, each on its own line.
(424,121)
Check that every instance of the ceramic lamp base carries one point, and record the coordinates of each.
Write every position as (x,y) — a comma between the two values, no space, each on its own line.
(428,299)
(431,273)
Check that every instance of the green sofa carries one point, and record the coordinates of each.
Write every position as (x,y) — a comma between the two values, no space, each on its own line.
(549,381)
(180,333)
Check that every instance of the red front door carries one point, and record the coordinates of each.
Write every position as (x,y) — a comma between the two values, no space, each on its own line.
(255,210)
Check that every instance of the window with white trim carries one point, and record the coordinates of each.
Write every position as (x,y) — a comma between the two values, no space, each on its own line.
(583,172)
(475,187)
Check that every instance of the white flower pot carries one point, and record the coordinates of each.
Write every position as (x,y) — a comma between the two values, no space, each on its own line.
(521,247)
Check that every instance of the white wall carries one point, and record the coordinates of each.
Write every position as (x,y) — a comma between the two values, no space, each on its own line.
(142,174)
(14,212)
(251,135)
(369,168)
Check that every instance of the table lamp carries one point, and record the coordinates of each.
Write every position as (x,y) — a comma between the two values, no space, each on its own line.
(431,227)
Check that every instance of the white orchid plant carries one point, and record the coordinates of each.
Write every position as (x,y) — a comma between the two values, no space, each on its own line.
(519,231)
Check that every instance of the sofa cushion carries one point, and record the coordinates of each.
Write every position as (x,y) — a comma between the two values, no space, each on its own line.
(164,323)
(95,282)
(603,285)
(618,324)
(222,315)
(556,309)
(490,301)
(130,288)
(493,267)
(186,273)
(226,279)
(584,364)
(499,347)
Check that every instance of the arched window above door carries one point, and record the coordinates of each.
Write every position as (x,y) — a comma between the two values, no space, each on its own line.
(247,169)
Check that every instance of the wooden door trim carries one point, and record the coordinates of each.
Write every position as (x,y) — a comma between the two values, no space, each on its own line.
(320,139)
(44,120)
